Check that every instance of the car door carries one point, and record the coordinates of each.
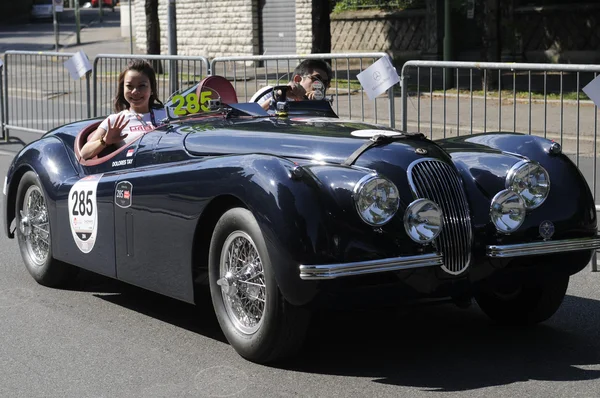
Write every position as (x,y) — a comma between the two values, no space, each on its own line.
(85,213)
(153,227)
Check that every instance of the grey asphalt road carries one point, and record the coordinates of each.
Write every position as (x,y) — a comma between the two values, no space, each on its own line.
(102,338)
(39,35)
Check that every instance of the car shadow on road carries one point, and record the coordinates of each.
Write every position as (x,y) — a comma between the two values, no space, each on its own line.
(435,348)
(199,318)
(446,349)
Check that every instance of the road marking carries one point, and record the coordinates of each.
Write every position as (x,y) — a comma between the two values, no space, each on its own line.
(6,153)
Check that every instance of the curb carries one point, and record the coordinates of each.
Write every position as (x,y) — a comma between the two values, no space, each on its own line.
(413,94)
(73,35)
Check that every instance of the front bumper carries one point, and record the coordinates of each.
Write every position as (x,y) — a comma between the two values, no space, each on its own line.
(545,247)
(332,271)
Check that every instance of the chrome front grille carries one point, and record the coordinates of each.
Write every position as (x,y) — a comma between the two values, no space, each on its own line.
(438,181)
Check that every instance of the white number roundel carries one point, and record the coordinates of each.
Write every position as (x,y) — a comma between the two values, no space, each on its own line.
(83,213)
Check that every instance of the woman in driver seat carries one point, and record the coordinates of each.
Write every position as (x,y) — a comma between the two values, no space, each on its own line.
(135,107)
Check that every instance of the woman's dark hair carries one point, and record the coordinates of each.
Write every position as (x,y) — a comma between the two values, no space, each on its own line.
(142,66)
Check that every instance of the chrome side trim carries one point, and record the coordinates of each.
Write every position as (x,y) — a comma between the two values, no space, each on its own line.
(331,271)
(545,247)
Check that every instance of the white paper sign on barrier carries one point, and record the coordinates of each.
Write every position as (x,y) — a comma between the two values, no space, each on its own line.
(378,77)
(58,5)
(592,90)
(78,65)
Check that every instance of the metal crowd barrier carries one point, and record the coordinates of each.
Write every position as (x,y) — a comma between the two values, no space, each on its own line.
(37,94)
(2,95)
(250,73)
(40,93)
(445,99)
(173,73)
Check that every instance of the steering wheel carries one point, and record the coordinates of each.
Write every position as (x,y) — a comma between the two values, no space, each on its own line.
(280,93)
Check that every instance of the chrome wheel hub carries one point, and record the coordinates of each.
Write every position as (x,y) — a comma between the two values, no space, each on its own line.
(34,225)
(242,282)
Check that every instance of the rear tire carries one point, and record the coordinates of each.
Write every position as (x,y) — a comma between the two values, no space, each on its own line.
(35,237)
(526,304)
(254,316)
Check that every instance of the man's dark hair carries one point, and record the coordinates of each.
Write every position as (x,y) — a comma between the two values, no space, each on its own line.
(308,66)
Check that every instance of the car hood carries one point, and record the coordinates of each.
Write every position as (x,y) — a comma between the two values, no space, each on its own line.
(329,140)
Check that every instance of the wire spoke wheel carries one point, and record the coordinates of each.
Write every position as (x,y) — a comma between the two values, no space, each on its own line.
(34,225)
(242,282)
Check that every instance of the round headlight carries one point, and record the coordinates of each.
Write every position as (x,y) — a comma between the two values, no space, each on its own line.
(530,180)
(376,199)
(507,211)
(423,220)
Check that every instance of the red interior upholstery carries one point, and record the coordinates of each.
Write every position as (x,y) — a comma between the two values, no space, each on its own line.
(83,137)
(104,155)
(219,88)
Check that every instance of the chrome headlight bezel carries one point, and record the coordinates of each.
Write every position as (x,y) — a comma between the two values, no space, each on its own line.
(364,204)
(499,212)
(530,180)
(415,212)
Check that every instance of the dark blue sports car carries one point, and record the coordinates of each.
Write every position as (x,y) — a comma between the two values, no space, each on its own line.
(279,212)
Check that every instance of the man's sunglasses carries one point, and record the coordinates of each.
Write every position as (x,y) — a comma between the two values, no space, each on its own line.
(314,78)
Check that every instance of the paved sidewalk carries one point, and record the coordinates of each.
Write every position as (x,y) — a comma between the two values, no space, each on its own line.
(101,37)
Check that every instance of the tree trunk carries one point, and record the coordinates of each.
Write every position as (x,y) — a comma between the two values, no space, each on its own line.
(321,26)
(153,32)
(488,18)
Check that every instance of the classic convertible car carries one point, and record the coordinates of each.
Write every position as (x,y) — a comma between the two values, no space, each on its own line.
(280,212)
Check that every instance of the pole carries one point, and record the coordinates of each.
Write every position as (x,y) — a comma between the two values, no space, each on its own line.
(130,29)
(4,137)
(77,22)
(55,24)
(447,42)
(100,9)
(172,28)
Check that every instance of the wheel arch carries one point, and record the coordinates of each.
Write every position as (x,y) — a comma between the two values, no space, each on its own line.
(11,197)
(203,234)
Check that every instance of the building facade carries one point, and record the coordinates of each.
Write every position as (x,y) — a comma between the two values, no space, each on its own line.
(215,28)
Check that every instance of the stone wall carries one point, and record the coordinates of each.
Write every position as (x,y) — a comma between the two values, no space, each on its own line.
(558,34)
(210,28)
(217,28)
(400,34)
(304,26)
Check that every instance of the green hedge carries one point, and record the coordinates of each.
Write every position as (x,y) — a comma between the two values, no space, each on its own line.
(346,5)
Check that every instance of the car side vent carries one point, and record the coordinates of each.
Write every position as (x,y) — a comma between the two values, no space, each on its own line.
(438,181)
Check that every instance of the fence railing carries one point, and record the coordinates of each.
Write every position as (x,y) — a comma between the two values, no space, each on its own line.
(445,99)
(250,73)
(41,91)
(440,99)
(2,95)
(173,73)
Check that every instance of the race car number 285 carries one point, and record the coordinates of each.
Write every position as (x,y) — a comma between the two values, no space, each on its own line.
(83,213)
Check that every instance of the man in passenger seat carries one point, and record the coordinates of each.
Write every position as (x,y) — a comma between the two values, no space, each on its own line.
(310,81)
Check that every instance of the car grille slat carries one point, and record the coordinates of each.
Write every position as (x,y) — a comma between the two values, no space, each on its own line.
(438,181)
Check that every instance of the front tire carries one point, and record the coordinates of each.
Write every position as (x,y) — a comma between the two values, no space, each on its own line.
(528,303)
(255,318)
(35,237)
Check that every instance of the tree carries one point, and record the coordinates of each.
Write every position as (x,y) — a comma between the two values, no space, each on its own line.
(487,14)
(153,32)
(321,25)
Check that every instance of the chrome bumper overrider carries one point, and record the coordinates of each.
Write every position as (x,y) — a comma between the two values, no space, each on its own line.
(331,271)
(545,247)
